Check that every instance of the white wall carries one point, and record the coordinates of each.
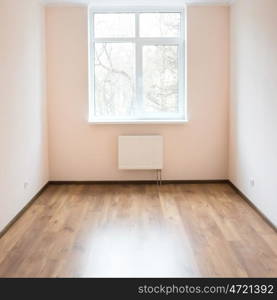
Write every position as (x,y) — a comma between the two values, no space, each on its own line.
(253,109)
(80,151)
(23,135)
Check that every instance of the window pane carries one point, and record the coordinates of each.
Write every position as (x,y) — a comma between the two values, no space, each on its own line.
(114,25)
(160,78)
(159,24)
(114,79)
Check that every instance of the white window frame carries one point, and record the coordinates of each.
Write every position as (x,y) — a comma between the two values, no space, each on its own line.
(181,116)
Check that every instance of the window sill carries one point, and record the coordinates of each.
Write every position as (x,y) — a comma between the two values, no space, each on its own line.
(136,122)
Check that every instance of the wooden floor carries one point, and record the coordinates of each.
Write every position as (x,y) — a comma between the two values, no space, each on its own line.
(139,230)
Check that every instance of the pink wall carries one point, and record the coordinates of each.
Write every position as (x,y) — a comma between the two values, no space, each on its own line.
(80,151)
(253,138)
(23,136)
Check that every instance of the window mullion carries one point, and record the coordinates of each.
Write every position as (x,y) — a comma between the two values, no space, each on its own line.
(138,70)
(114,40)
(160,41)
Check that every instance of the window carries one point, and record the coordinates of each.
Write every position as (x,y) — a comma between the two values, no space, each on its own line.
(137,69)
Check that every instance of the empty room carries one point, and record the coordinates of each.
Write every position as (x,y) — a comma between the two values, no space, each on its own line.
(138,139)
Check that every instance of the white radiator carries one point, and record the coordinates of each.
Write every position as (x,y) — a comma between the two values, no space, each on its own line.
(140,152)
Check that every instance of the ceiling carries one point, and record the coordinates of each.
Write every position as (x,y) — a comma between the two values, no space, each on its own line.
(138,2)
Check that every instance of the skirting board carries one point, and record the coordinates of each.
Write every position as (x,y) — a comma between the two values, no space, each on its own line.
(58,182)
(250,203)
(21,212)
